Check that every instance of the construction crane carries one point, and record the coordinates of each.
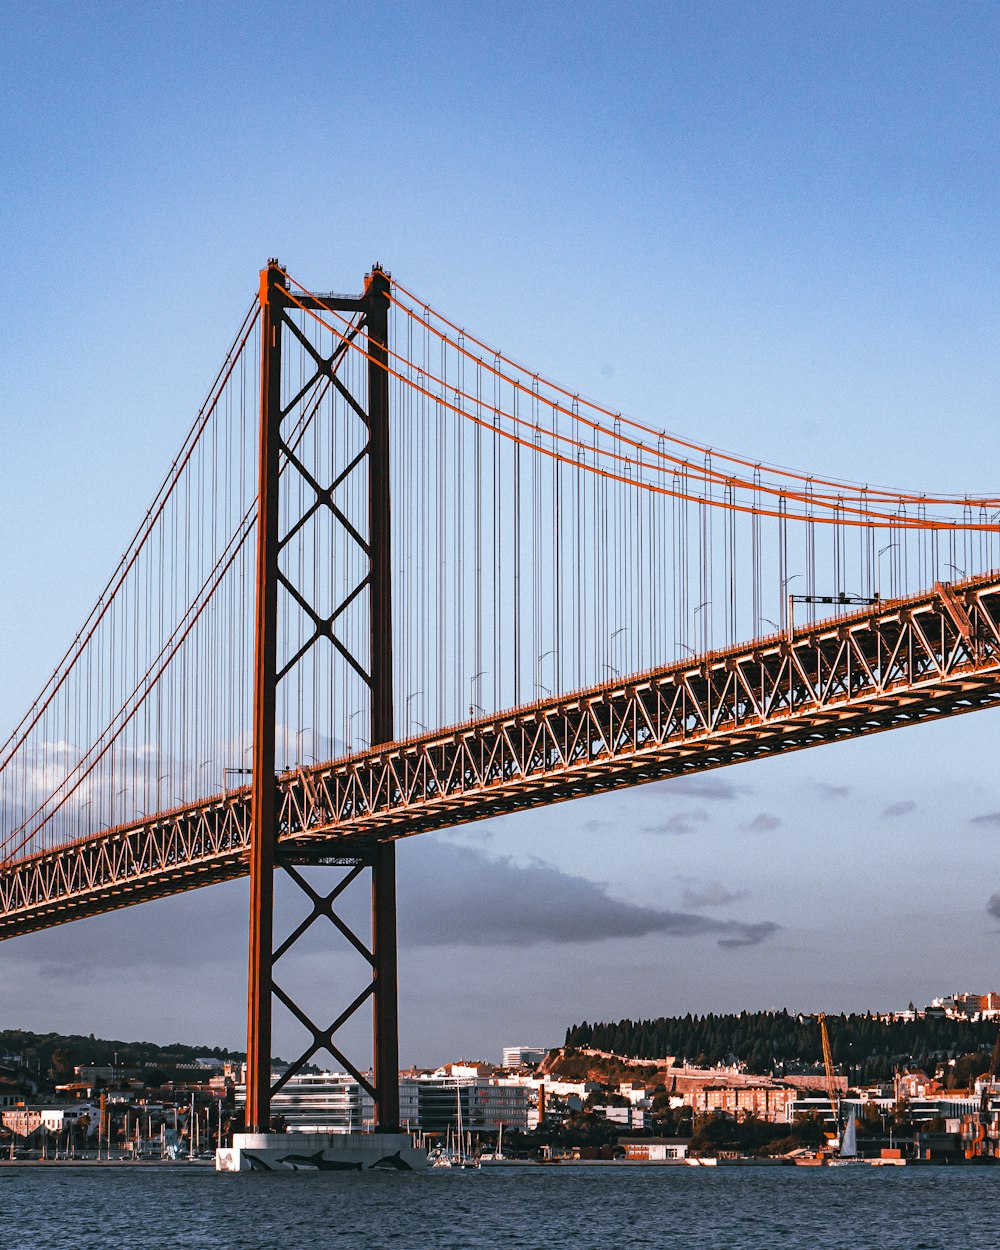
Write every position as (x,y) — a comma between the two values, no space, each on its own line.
(976,1149)
(831,1084)
(984,1102)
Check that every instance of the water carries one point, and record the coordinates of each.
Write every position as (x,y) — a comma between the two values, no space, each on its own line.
(579,1208)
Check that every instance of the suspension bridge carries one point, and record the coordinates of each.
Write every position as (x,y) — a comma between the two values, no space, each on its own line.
(395,581)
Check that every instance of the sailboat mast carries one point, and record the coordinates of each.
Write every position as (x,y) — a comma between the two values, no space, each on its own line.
(458,1105)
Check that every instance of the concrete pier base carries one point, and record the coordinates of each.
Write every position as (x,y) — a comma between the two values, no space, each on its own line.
(321,1152)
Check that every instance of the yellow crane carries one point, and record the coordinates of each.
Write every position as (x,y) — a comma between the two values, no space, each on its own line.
(988,1079)
(831,1084)
(977,1148)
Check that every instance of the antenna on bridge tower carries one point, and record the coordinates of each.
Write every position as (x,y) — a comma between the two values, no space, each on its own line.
(373,306)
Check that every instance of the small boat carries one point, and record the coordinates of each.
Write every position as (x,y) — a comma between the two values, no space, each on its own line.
(441,1156)
(468,1159)
(753,1161)
(848,1145)
(494,1156)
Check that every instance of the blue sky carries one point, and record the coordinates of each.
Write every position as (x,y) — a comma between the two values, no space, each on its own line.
(769,226)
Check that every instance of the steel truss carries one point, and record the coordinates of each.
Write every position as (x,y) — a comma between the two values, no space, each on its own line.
(322,907)
(891,665)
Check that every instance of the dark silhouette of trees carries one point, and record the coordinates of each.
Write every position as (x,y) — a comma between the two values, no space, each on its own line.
(866,1048)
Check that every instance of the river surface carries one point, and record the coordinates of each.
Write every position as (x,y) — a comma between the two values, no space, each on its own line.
(580,1208)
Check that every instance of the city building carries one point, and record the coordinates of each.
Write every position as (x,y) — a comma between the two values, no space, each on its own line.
(910,1085)
(486,1104)
(555,1088)
(23,1120)
(330,1102)
(333,1102)
(964,1006)
(465,1069)
(818,1106)
(764,1098)
(655,1149)
(523,1056)
(637,1093)
(629,1117)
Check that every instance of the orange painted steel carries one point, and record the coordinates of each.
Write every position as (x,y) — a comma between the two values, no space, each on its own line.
(72,653)
(263,825)
(838,513)
(385,1039)
(894,664)
(700,448)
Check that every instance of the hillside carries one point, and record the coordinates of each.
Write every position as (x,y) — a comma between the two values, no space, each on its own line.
(580,1065)
(60,1052)
(866,1047)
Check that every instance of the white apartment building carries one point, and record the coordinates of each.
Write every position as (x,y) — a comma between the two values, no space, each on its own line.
(24,1119)
(629,1117)
(523,1056)
(333,1102)
(655,1149)
(561,1089)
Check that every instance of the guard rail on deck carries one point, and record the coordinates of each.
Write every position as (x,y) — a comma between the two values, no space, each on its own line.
(893,664)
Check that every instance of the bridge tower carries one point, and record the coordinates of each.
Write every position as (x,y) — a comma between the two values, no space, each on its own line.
(371,407)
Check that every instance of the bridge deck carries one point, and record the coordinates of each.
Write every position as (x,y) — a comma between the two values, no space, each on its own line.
(898,663)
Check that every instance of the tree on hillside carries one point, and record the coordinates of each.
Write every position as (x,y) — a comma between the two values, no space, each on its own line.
(61,1062)
(866,1047)
(964,1072)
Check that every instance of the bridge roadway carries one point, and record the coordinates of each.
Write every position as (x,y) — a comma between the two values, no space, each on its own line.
(893,664)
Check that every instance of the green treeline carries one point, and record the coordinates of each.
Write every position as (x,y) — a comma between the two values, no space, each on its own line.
(59,1051)
(864,1047)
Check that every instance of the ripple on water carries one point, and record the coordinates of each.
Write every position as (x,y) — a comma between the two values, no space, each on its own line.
(577,1208)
